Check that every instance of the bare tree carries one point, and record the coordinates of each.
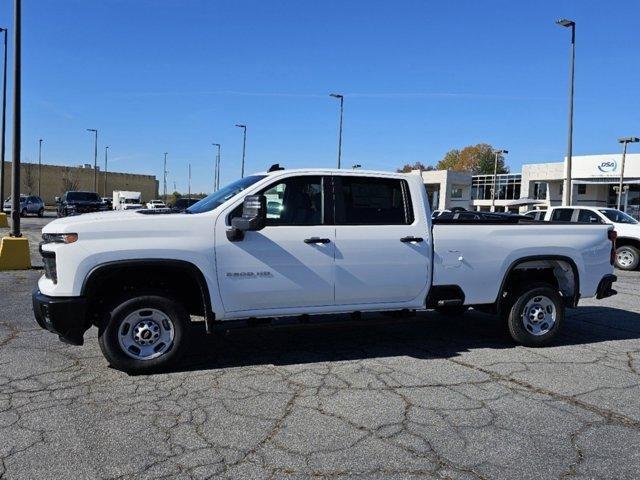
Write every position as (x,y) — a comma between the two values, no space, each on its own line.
(70,180)
(29,178)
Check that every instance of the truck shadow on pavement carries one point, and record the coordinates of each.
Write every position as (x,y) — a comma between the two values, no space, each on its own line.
(427,335)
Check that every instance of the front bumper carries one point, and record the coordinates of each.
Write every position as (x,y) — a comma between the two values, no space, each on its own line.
(605,287)
(64,316)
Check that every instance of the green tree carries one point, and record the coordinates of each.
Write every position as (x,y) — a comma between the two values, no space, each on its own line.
(416,166)
(478,159)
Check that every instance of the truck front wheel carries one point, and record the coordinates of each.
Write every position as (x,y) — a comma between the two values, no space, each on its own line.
(536,315)
(627,257)
(144,334)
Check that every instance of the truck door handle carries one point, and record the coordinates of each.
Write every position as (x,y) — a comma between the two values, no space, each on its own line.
(411,239)
(316,240)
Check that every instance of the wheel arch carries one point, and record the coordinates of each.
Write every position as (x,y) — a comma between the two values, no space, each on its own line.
(563,269)
(624,241)
(166,272)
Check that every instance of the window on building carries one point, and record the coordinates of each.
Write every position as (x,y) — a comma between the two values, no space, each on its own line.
(540,190)
(456,192)
(582,189)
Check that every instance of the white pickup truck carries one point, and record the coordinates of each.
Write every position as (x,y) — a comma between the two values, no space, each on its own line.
(627,229)
(298,242)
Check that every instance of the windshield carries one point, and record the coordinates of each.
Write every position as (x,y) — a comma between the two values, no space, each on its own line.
(82,196)
(616,216)
(225,193)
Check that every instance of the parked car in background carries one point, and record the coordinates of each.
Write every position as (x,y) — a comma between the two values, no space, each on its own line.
(153,204)
(108,203)
(29,205)
(627,228)
(77,202)
(536,214)
(183,203)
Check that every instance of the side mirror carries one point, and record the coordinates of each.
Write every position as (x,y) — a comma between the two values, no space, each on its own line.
(57,199)
(254,217)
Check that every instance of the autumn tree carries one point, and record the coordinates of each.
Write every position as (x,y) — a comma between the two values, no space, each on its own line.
(70,180)
(416,166)
(478,159)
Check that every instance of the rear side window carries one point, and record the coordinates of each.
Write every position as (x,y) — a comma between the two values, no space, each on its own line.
(372,201)
(562,215)
(587,216)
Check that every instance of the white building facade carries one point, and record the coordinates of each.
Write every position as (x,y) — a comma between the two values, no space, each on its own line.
(595,180)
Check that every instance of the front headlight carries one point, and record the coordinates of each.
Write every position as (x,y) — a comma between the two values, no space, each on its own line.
(59,237)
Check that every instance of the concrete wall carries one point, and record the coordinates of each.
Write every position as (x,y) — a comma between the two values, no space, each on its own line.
(57,179)
(447,180)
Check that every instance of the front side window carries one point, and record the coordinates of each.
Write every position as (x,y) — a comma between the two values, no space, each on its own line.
(295,201)
(562,215)
(372,201)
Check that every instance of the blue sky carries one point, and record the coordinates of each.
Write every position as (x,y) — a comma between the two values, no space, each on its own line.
(419,78)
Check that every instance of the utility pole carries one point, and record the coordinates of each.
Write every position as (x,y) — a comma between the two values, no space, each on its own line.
(568,184)
(189,186)
(17,113)
(244,147)
(106,169)
(341,98)
(165,177)
(495,177)
(4,116)
(216,169)
(624,141)
(39,164)
(95,159)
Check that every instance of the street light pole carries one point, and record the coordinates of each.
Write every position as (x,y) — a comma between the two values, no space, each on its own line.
(17,113)
(165,177)
(39,164)
(95,159)
(624,141)
(4,115)
(495,177)
(567,193)
(216,169)
(341,98)
(244,147)
(189,186)
(106,169)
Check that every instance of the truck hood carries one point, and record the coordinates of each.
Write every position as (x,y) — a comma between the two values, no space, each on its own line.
(90,221)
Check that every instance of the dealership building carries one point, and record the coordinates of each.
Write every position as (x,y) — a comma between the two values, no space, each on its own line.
(595,180)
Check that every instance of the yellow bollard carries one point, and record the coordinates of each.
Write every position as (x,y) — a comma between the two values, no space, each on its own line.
(14,253)
(3,220)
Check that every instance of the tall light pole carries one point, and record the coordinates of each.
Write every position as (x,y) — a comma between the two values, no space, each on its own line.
(165,176)
(624,141)
(497,154)
(189,186)
(95,159)
(39,164)
(106,168)
(341,98)
(244,147)
(17,115)
(4,115)
(216,169)
(567,193)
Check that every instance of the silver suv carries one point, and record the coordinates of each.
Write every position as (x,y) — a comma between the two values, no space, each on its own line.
(29,204)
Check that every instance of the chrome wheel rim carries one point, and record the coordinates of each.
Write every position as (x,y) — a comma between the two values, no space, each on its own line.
(146,333)
(625,258)
(539,315)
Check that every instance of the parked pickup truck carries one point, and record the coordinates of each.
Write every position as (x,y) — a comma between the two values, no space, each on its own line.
(339,242)
(627,229)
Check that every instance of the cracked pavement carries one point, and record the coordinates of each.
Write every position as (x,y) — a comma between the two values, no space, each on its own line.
(420,397)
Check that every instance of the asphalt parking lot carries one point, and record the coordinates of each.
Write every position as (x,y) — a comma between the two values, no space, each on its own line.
(422,397)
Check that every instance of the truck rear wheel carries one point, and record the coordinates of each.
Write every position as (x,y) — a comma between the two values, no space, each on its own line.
(144,334)
(536,315)
(627,257)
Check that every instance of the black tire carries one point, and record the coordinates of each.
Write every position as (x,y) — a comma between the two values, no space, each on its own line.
(41,212)
(116,328)
(522,331)
(627,257)
(452,310)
